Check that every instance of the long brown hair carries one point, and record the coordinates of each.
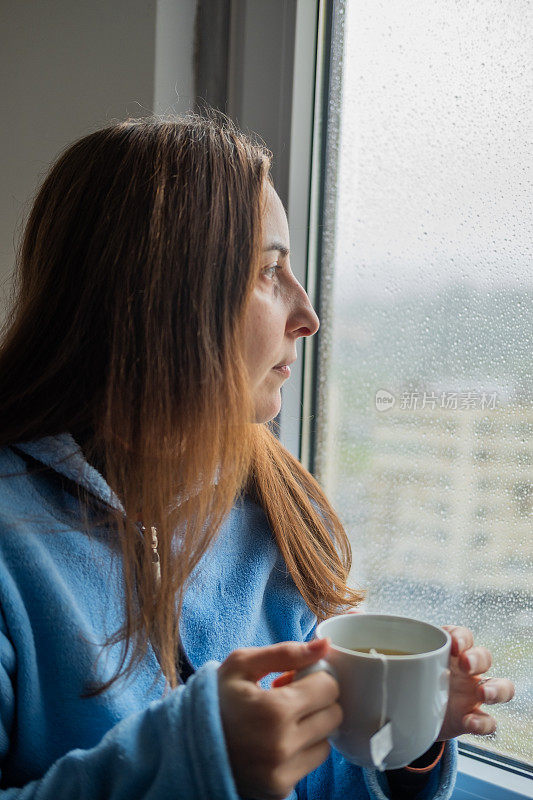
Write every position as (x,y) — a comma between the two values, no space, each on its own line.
(133,277)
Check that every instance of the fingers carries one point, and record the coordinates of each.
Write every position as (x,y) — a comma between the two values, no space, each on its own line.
(276,737)
(307,760)
(253,663)
(479,723)
(496,690)
(462,638)
(475,660)
(312,693)
(318,726)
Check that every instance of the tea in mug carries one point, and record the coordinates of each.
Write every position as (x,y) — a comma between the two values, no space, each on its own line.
(383,651)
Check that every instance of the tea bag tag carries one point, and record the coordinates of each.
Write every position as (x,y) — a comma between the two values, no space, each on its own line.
(381,741)
(381,745)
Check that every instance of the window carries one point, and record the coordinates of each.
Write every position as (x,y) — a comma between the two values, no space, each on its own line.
(424,402)
(406,122)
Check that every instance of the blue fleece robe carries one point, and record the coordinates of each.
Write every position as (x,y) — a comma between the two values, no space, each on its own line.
(60,597)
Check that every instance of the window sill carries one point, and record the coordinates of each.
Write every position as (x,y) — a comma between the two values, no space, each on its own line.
(477,780)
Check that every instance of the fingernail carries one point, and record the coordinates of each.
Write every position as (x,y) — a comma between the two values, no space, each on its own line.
(461,644)
(315,644)
(489,693)
(474,724)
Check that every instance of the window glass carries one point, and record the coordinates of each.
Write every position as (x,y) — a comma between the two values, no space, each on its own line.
(425,399)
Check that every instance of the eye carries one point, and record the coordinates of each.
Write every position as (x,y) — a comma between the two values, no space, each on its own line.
(271,271)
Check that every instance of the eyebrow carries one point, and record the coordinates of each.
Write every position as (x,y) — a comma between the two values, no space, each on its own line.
(277,246)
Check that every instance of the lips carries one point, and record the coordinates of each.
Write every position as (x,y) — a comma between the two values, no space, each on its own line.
(285,363)
(284,368)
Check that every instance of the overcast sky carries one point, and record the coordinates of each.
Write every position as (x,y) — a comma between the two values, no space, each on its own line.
(435,153)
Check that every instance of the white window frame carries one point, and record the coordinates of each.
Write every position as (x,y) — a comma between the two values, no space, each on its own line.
(287,105)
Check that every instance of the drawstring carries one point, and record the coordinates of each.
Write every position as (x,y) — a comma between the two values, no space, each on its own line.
(156,561)
(185,668)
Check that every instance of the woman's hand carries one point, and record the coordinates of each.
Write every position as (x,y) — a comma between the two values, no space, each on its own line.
(469,690)
(276,737)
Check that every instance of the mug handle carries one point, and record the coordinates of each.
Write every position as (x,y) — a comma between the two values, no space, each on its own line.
(316,667)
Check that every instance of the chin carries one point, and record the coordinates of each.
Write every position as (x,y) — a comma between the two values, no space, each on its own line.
(267,409)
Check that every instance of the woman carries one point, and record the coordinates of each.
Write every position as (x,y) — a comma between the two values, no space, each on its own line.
(154,323)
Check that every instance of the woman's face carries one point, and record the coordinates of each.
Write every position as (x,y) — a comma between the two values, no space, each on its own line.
(279,312)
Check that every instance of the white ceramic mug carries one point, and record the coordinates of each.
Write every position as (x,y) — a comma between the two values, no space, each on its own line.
(393,705)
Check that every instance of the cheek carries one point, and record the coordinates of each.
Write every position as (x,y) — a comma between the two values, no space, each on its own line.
(264,337)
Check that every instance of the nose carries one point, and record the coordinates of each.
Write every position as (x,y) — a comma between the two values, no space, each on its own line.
(302,320)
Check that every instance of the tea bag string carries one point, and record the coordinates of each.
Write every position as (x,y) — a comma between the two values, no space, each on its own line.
(384,697)
(381,742)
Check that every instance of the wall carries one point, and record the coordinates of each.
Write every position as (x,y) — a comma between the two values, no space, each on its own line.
(260,78)
(68,68)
